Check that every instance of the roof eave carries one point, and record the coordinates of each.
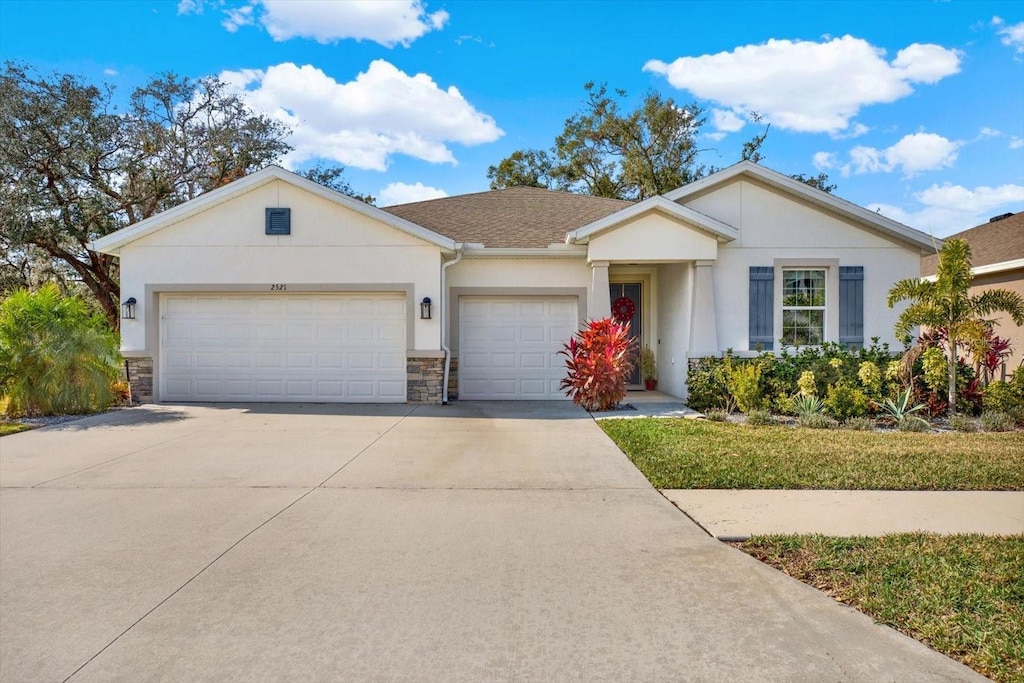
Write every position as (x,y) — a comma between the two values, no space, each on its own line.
(112,243)
(904,233)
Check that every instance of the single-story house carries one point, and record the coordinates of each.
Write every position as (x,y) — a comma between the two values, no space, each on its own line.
(997,262)
(274,288)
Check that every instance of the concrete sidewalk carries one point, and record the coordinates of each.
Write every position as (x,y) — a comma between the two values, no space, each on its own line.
(737,515)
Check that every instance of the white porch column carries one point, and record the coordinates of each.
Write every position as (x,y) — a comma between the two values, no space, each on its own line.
(600,295)
(703,324)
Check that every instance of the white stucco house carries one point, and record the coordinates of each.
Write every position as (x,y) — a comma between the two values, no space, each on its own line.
(274,288)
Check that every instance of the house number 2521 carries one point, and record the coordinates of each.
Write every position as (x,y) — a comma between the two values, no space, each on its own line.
(278,288)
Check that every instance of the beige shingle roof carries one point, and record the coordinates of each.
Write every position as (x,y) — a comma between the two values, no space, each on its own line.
(513,217)
(995,242)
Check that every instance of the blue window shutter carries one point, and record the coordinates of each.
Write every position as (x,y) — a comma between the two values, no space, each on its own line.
(851,306)
(762,305)
(279,221)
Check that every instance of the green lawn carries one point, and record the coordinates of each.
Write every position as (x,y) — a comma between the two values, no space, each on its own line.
(961,595)
(680,454)
(12,428)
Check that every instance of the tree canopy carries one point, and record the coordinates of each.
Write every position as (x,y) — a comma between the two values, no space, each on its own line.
(946,305)
(606,150)
(74,168)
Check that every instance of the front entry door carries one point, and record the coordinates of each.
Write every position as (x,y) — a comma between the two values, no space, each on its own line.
(625,298)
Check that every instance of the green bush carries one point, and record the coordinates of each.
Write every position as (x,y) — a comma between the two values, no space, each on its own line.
(807,404)
(859,424)
(56,356)
(744,383)
(993,421)
(705,383)
(759,418)
(936,370)
(913,423)
(817,421)
(1003,397)
(716,415)
(962,423)
(844,402)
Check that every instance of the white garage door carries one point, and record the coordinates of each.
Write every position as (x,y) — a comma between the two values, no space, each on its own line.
(508,346)
(282,347)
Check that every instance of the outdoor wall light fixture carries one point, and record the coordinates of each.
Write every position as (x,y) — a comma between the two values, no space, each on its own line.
(425,308)
(128,309)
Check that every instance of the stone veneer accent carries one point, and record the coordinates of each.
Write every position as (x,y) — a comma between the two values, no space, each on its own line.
(424,377)
(453,379)
(140,377)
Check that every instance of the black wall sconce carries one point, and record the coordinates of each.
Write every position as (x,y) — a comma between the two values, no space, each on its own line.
(128,309)
(425,308)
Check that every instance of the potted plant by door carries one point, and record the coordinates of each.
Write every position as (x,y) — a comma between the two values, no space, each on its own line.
(648,370)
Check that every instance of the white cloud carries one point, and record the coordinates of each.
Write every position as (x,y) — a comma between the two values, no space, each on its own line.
(1010,35)
(807,86)
(190,6)
(912,155)
(1016,142)
(951,208)
(390,23)
(987,132)
(110,72)
(856,131)
(363,122)
(825,160)
(238,17)
(403,193)
(726,121)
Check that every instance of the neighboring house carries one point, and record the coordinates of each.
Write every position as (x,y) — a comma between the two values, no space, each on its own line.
(274,288)
(997,260)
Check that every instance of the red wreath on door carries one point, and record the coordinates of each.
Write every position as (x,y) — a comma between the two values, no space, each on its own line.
(623,309)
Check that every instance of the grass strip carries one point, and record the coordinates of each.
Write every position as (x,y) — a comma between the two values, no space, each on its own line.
(962,595)
(13,428)
(679,453)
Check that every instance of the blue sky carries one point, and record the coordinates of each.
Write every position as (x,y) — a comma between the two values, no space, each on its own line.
(913,108)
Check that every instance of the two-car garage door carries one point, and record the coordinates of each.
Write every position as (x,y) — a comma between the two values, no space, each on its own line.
(331,347)
(508,346)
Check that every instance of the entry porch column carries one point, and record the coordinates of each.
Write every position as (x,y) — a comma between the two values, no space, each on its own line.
(703,324)
(600,294)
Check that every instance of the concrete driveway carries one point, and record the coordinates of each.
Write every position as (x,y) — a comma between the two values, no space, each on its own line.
(474,542)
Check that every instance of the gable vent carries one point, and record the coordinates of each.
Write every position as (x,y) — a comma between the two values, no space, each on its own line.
(279,222)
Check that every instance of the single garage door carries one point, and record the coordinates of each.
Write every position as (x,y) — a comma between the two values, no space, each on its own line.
(329,348)
(508,346)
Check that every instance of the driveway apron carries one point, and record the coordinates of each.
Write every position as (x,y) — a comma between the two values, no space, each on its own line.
(471,542)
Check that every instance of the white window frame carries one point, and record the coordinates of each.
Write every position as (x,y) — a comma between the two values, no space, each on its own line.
(831,307)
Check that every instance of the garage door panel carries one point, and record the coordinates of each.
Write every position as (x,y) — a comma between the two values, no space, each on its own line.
(508,346)
(289,347)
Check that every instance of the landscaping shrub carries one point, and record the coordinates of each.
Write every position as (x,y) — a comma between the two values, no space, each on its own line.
(56,356)
(705,383)
(870,378)
(913,423)
(994,421)
(817,421)
(759,418)
(902,407)
(744,383)
(844,402)
(717,415)
(1003,397)
(806,383)
(808,404)
(859,424)
(599,358)
(962,423)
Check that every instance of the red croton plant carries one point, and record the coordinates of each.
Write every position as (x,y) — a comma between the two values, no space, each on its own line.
(599,358)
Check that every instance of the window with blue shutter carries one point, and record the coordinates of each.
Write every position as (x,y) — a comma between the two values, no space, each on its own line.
(851,306)
(279,221)
(762,302)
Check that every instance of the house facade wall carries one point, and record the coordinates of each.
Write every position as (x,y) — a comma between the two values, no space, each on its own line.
(330,248)
(781,231)
(1012,280)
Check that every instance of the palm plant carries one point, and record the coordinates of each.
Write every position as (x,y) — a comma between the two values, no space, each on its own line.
(56,356)
(947,304)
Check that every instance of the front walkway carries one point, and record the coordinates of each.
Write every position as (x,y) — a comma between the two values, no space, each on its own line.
(473,542)
(734,515)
